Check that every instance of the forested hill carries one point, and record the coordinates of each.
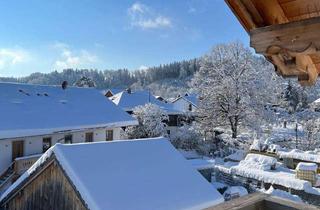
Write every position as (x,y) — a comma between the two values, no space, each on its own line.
(168,79)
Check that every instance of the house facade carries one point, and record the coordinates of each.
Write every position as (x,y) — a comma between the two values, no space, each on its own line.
(128,100)
(186,103)
(35,117)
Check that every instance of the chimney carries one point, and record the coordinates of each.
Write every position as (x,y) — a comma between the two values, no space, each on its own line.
(64,85)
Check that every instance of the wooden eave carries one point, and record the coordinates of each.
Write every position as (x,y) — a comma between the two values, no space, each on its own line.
(286,32)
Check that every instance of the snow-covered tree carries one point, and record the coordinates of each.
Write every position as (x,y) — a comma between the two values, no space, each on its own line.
(85,82)
(311,139)
(295,97)
(233,88)
(151,122)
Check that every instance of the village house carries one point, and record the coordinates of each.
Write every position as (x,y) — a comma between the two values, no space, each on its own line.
(110,92)
(132,174)
(35,117)
(186,103)
(128,100)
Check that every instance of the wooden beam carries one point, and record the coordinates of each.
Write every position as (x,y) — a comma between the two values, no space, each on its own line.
(305,64)
(295,36)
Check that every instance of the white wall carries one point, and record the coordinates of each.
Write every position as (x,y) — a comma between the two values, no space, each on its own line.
(183,105)
(33,145)
(5,154)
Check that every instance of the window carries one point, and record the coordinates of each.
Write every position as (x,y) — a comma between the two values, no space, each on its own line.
(89,137)
(190,107)
(68,139)
(109,135)
(173,120)
(168,132)
(46,144)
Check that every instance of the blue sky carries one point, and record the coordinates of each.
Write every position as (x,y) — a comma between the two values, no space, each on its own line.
(42,36)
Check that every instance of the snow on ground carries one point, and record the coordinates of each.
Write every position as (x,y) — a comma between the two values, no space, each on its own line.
(190,154)
(38,109)
(131,174)
(282,194)
(203,163)
(236,156)
(280,134)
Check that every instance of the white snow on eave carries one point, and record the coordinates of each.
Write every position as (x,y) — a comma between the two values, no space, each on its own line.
(300,156)
(8,134)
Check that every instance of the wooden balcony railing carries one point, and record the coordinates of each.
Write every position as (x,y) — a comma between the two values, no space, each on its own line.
(22,164)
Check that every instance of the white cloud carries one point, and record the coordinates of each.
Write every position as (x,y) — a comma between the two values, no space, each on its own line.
(73,58)
(143,67)
(144,17)
(12,56)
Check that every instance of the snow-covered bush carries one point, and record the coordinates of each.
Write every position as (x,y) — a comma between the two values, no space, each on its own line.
(151,122)
(187,137)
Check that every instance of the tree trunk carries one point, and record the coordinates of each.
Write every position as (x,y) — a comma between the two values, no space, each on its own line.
(234,126)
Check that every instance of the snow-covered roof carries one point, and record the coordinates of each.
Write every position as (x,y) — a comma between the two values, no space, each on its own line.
(192,98)
(307,166)
(300,155)
(283,194)
(131,174)
(28,110)
(128,101)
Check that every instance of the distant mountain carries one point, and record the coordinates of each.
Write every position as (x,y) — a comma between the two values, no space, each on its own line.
(167,80)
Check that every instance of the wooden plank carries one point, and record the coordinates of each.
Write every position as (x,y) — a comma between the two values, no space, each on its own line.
(295,36)
(271,11)
(242,14)
(301,9)
(248,202)
(48,188)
